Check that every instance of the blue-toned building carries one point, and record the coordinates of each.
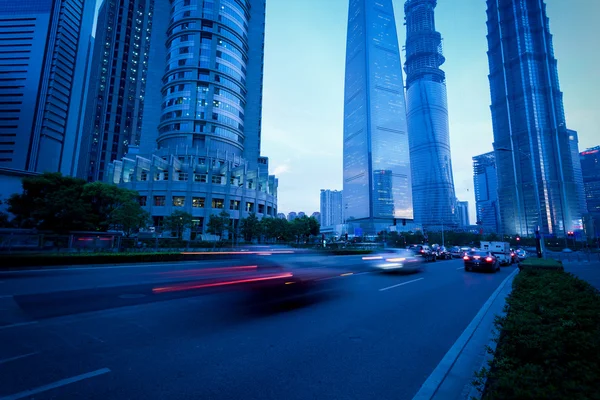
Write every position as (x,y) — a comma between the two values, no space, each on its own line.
(45,60)
(485,183)
(377,182)
(427,113)
(590,170)
(536,178)
(200,146)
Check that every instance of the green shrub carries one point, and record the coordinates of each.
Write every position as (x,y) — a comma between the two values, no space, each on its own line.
(541,263)
(549,340)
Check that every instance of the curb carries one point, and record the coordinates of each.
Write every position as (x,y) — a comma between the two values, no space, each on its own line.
(452,377)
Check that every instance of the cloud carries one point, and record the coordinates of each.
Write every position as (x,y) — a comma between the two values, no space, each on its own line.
(282,168)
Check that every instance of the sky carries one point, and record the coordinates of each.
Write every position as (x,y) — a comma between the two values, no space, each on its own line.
(304,88)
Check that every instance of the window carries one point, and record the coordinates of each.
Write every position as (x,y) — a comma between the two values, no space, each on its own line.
(217,203)
(198,202)
(183,176)
(216,180)
(200,178)
(144,176)
(143,200)
(159,201)
(261,208)
(249,206)
(234,204)
(178,201)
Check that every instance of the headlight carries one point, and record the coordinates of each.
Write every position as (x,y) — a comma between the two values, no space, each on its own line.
(395,259)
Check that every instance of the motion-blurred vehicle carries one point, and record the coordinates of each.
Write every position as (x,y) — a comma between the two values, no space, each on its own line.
(501,250)
(513,256)
(424,251)
(442,253)
(455,252)
(395,260)
(481,260)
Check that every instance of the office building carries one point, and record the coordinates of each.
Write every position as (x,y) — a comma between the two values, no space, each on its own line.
(427,116)
(45,59)
(331,207)
(316,215)
(281,216)
(531,141)
(117,85)
(462,213)
(574,147)
(375,135)
(590,170)
(292,216)
(199,150)
(486,192)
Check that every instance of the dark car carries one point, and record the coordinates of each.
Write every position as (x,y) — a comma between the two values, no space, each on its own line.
(442,253)
(424,251)
(481,260)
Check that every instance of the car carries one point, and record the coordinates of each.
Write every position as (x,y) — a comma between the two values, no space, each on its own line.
(521,254)
(442,253)
(483,260)
(424,251)
(389,260)
(455,252)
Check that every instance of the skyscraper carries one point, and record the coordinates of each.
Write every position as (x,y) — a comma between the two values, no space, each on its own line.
(590,169)
(427,113)
(200,146)
(44,65)
(574,146)
(485,182)
(462,213)
(118,84)
(535,168)
(375,135)
(331,207)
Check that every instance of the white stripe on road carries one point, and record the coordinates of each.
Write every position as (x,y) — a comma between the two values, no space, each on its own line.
(460,268)
(18,357)
(17,325)
(400,284)
(439,374)
(55,385)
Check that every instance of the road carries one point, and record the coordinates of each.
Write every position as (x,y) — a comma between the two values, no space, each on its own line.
(102,333)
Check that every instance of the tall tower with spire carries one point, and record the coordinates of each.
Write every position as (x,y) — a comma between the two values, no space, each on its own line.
(427,117)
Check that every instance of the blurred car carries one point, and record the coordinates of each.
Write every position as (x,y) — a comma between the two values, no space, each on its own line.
(521,254)
(456,252)
(482,260)
(441,252)
(395,260)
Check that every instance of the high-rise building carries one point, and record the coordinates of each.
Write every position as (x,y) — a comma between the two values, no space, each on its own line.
(292,216)
(590,169)
(535,168)
(117,85)
(331,207)
(462,213)
(574,146)
(485,182)
(316,215)
(45,59)
(375,135)
(200,146)
(301,214)
(427,115)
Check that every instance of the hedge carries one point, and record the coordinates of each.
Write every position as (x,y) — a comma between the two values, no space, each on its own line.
(541,263)
(549,340)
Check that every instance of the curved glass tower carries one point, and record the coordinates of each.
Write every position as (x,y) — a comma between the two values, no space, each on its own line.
(427,116)
(377,185)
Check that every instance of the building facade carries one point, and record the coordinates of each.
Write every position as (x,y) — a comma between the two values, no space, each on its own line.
(427,113)
(574,147)
(117,84)
(45,59)
(292,216)
(376,161)
(536,177)
(200,144)
(590,169)
(331,207)
(462,213)
(485,183)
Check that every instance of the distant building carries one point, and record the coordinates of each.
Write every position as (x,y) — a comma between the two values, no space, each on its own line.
(44,66)
(281,216)
(486,192)
(316,215)
(301,214)
(331,207)
(462,213)
(590,169)
(574,146)
(292,216)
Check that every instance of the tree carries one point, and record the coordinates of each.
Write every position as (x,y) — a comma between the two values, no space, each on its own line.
(314,226)
(130,217)
(5,221)
(217,224)
(177,222)
(250,227)
(51,201)
(111,204)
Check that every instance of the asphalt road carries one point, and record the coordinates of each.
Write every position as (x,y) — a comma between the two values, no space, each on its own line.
(103,334)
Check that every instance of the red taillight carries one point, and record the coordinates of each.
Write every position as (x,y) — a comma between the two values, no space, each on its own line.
(422,251)
(489,259)
(466,258)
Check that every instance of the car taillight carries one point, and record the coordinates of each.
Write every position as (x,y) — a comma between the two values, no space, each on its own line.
(466,258)
(422,251)
(489,259)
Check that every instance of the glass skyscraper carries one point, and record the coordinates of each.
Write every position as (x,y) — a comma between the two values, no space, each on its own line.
(331,207)
(536,182)
(377,182)
(485,182)
(590,169)
(427,111)
(200,146)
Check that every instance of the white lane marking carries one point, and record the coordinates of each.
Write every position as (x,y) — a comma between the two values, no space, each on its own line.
(17,325)
(439,374)
(363,273)
(460,268)
(18,357)
(54,385)
(400,284)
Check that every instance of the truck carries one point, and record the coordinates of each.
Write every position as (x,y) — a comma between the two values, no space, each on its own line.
(500,249)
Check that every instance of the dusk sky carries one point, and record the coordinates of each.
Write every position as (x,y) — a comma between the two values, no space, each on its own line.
(304,88)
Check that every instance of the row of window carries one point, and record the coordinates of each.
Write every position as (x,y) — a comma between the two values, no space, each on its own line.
(200,202)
